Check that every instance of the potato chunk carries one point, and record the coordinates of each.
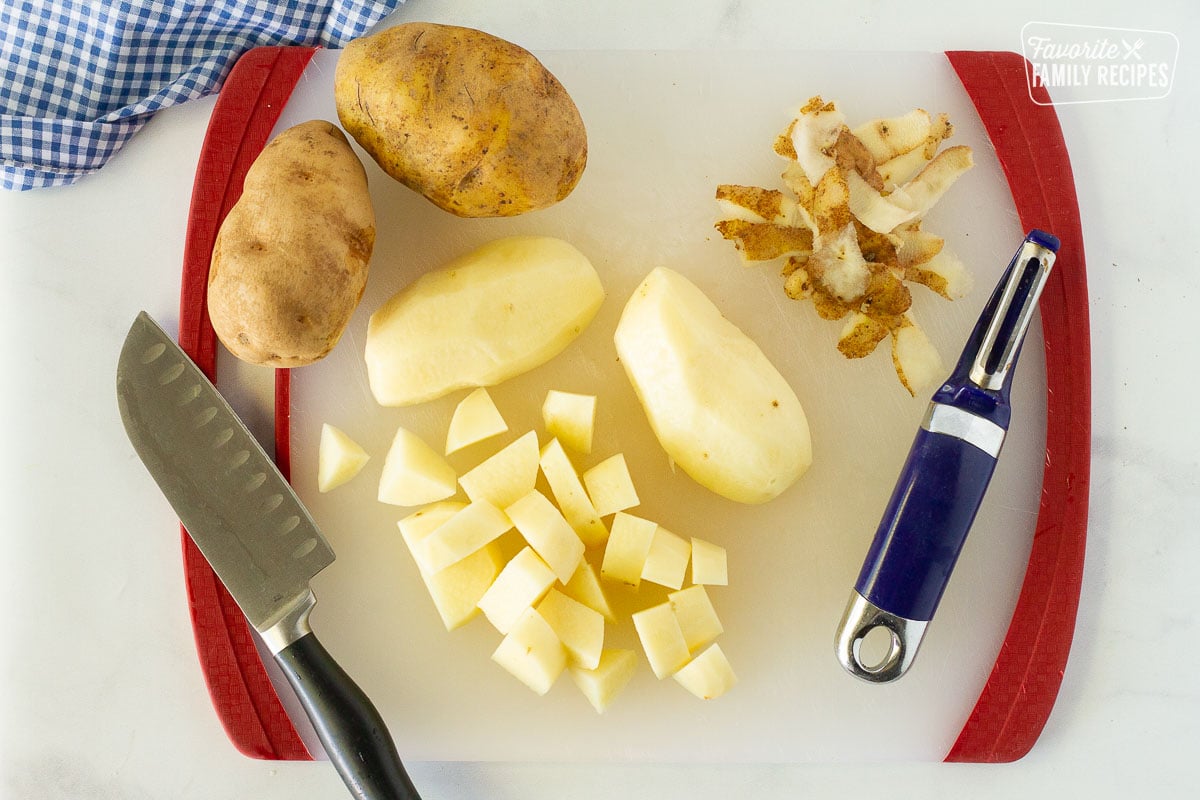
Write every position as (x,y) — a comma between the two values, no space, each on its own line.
(339,458)
(580,628)
(570,495)
(520,585)
(697,618)
(611,675)
(506,476)
(548,533)
(666,563)
(455,590)
(627,548)
(708,675)
(475,419)
(472,528)
(610,487)
(532,653)
(662,639)
(414,473)
(709,563)
(570,418)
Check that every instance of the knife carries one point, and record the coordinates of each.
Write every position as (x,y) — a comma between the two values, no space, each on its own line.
(260,540)
(944,478)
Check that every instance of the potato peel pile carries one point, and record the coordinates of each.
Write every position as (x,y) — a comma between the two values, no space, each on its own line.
(849,227)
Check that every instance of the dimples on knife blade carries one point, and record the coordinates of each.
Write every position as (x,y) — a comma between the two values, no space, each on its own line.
(230,497)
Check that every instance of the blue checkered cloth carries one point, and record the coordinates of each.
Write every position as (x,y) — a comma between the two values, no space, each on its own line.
(78,78)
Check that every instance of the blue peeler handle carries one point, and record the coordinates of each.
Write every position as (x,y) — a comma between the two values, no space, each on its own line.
(944,478)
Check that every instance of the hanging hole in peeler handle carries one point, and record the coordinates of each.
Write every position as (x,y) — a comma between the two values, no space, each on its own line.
(876,648)
(875,645)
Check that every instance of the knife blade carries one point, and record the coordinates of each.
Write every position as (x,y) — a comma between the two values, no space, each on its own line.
(259,538)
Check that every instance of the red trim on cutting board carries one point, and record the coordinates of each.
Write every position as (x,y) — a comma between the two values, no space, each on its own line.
(1023,686)
(247,108)
(1020,692)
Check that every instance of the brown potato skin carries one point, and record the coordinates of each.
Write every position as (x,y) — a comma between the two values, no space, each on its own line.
(473,122)
(291,258)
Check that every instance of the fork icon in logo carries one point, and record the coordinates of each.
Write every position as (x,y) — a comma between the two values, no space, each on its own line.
(1132,49)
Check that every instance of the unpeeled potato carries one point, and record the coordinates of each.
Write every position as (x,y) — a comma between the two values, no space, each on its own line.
(290,261)
(473,122)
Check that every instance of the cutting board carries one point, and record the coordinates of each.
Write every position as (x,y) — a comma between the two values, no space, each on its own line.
(664,129)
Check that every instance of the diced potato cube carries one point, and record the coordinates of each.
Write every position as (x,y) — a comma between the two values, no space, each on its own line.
(470,529)
(627,548)
(579,628)
(709,563)
(419,524)
(532,653)
(570,418)
(475,419)
(521,583)
(569,493)
(697,617)
(548,532)
(708,675)
(506,476)
(611,675)
(456,589)
(585,587)
(610,487)
(414,474)
(467,580)
(339,458)
(667,561)
(662,639)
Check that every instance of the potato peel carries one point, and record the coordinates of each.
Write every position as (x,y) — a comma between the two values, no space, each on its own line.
(887,138)
(849,226)
(914,357)
(861,336)
(757,205)
(765,241)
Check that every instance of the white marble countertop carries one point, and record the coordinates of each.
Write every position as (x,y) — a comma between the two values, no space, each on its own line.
(102,692)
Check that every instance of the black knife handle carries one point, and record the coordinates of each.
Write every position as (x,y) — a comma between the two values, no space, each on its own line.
(352,731)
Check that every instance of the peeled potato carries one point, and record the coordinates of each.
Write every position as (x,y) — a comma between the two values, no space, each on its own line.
(487,316)
(717,405)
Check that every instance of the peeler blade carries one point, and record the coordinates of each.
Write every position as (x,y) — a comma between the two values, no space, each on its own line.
(1006,319)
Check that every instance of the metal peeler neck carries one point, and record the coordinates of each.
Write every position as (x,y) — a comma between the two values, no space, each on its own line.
(1006,320)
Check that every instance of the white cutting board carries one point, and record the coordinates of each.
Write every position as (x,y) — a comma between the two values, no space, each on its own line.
(664,129)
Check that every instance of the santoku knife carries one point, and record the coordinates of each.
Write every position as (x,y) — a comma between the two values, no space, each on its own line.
(259,539)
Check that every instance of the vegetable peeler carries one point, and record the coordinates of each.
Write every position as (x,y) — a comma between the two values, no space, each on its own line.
(944,478)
